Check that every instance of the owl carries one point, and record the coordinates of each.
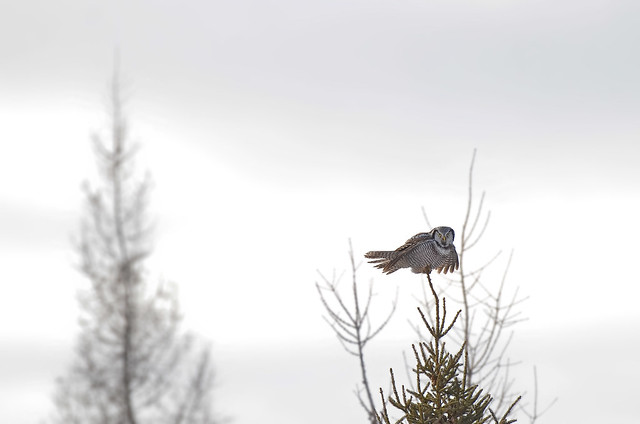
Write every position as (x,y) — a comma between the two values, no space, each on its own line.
(423,253)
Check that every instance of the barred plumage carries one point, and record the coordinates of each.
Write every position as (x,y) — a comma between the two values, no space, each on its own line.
(423,253)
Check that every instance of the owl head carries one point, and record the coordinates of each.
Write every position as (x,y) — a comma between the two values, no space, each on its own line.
(443,236)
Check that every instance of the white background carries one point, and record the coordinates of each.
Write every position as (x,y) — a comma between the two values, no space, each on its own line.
(276,130)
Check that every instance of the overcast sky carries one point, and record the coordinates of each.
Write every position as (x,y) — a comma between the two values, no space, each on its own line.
(282,128)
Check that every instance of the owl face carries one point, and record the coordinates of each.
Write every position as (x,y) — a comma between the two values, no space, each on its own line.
(443,236)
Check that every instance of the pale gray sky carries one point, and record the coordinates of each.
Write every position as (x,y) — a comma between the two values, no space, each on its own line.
(288,127)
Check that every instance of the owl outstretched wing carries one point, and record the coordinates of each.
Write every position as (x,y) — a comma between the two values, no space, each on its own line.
(391,261)
(413,241)
(412,254)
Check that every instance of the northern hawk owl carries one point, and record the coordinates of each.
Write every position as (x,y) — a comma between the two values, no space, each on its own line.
(423,253)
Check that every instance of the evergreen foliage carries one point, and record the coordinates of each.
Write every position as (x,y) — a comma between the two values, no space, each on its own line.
(442,394)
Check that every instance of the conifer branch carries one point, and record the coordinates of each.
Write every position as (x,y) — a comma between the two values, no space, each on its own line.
(446,396)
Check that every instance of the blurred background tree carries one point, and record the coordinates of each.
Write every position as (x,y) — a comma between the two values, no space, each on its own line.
(133,364)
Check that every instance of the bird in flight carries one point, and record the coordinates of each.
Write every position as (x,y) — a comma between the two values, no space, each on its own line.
(423,253)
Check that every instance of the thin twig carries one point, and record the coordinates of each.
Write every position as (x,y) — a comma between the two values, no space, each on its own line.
(352,326)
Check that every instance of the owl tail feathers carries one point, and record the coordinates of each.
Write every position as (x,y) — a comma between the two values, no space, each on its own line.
(384,260)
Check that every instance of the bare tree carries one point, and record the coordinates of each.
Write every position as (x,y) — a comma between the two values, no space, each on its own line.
(133,364)
(352,326)
(532,412)
(488,312)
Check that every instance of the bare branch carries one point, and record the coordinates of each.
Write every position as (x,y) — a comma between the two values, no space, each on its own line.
(426,218)
(534,414)
(352,325)
(487,310)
